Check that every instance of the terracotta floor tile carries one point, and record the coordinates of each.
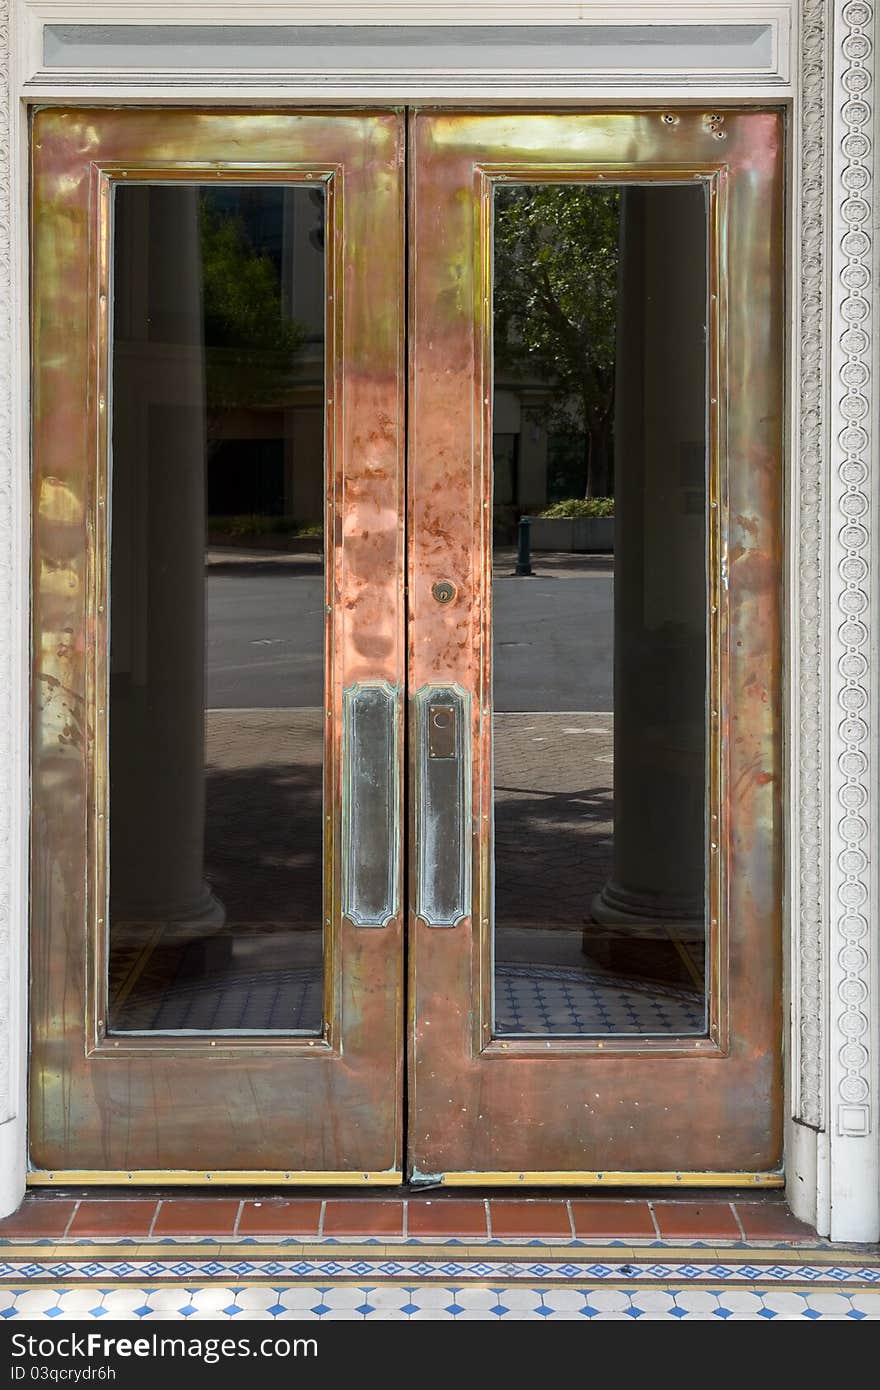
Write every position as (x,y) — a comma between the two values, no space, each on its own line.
(612,1219)
(538,1218)
(363,1218)
(696,1220)
(35,1218)
(114,1218)
(280,1217)
(438,1218)
(181,1216)
(772,1221)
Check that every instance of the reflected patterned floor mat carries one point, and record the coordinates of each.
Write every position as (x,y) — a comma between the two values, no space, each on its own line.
(564,1000)
(530,998)
(255,1001)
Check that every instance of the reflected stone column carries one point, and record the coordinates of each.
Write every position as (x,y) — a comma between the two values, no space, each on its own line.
(157,614)
(660,602)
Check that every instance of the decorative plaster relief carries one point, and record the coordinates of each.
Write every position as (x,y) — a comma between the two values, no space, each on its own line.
(851,452)
(809,648)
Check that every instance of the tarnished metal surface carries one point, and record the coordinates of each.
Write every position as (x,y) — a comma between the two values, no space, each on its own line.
(441,784)
(331,1105)
(370,804)
(479,1105)
(328,1104)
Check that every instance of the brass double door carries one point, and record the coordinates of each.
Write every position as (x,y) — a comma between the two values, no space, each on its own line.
(360,853)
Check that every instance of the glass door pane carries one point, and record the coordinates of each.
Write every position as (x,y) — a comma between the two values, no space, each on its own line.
(600,607)
(217,609)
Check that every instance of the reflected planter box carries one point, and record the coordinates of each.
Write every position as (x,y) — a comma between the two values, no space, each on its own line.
(582,533)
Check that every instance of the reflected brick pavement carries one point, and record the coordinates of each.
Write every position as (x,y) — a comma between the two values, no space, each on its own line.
(554,780)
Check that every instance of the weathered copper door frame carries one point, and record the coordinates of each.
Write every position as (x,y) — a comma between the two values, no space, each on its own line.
(481,1110)
(539,1110)
(111,1108)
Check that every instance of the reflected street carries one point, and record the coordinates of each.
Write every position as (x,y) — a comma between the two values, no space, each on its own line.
(265,618)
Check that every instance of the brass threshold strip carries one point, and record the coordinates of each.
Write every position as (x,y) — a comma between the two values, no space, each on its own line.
(194,1177)
(572,1179)
(262,1177)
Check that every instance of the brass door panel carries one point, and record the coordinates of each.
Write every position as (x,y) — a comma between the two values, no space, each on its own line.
(111,1093)
(701,1093)
(114,1098)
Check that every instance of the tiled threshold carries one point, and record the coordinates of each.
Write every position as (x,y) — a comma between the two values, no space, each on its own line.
(223,1218)
(437,1256)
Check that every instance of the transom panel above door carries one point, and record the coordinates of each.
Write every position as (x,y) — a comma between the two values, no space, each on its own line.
(558,765)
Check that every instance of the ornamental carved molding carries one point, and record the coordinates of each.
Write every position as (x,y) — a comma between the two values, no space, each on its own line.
(853,460)
(809,649)
(7,560)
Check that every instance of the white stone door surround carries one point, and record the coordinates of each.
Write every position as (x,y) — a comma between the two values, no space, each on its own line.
(819,59)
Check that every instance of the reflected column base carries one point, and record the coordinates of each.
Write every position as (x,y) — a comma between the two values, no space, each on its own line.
(187,921)
(647,936)
(618,905)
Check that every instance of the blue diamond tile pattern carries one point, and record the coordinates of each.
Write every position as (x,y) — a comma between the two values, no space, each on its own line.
(440,1289)
(492,1272)
(659,1282)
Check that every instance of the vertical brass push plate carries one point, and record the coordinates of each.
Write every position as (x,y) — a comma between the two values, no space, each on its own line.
(370,803)
(442,787)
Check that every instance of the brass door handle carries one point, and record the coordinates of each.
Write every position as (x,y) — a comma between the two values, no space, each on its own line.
(442,795)
(370,804)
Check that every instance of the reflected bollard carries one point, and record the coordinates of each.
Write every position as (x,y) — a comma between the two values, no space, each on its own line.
(524,547)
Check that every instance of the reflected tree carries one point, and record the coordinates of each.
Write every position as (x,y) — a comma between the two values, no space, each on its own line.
(556,254)
(251,342)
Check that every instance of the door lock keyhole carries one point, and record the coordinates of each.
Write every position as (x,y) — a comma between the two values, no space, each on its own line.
(441,731)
